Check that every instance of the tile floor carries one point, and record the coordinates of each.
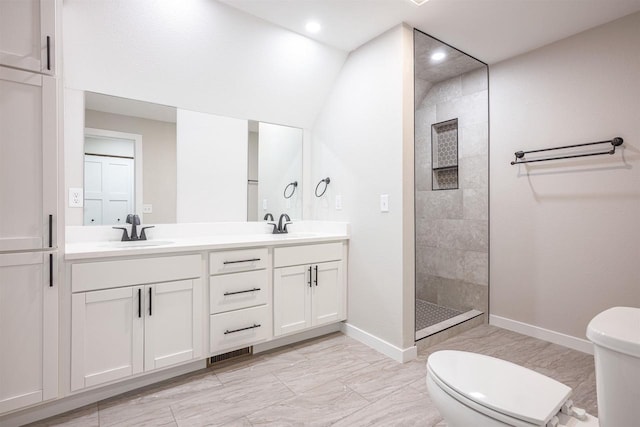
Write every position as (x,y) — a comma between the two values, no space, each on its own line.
(332,380)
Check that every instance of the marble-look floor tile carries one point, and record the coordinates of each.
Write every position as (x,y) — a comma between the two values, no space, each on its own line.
(230,402)
(151,406)
(320,369)
(241,422)
(406,407)
(87,416)
(383,378)
(320,406)
(259,365)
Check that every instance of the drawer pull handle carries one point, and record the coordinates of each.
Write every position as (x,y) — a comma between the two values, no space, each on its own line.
(242,329)
(310,275)
(241,292)
(242,260)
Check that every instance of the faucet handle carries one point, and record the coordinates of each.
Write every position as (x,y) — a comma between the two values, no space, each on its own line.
(125,234)
(275,227)
(143,235)
(284,229)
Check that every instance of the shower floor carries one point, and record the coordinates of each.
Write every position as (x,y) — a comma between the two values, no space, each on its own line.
(429,314)
(433,318)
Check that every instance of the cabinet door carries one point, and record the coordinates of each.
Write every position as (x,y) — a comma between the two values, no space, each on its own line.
(27,29)
(106,335)
(28,163)
(173,323)
(327,293)
(28,331)
(291,299)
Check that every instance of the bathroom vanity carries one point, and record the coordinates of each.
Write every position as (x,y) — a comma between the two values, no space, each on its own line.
(193,293)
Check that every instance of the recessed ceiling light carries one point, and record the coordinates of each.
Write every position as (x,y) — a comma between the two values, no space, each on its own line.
(438,56)
(313,27)
(419,2)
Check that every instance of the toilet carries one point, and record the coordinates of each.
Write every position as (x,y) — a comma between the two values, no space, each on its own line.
(474,390)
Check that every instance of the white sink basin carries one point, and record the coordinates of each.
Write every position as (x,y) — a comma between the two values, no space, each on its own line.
(137,243)
(295,235)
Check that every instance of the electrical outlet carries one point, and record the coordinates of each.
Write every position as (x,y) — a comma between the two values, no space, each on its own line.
(76,200)
(338,202)
(288,204)
(264,204)
(384,203)
(147,209)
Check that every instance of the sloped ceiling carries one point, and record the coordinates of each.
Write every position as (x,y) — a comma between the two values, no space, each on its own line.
(490,30)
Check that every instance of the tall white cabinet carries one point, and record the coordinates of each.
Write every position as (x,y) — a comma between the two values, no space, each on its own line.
(28,205)
(27,29)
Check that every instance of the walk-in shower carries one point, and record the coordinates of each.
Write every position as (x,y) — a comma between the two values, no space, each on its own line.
(451,186)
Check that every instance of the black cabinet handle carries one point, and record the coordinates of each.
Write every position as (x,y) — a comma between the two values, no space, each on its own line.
(241,292)
(309,276)
(242,260)
(139,302)
(150,301)
(50,270)
(242,329)
(316,279)
(48,53)
(50,231)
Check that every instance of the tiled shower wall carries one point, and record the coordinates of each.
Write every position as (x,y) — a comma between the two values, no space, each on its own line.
(452,225)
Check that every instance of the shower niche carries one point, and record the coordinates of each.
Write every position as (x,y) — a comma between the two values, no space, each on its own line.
(451,191)
(444,155)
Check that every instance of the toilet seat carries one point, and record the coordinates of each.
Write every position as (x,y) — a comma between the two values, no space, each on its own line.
(499,389)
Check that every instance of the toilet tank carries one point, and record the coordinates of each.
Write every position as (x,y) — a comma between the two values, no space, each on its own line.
(615,334)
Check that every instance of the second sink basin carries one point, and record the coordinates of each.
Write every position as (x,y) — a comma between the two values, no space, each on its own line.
(138,243)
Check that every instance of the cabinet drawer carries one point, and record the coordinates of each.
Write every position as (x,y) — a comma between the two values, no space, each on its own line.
(308,254)
(234,261)
(235,291)
(111,274)
(239,328)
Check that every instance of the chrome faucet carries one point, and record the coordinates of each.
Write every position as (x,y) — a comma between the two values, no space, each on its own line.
(281,228)
(134,220)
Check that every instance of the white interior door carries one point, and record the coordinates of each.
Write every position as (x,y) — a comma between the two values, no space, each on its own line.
(28,159)
(28,331)
(109,189)
(173,323)
(107,330)
(291,299)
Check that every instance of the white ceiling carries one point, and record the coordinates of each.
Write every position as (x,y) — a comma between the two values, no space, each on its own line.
(490,30)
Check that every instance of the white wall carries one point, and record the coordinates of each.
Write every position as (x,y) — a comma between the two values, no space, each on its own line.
(199,55)
(565,235)
(358,143)
(279,164)
(211,167)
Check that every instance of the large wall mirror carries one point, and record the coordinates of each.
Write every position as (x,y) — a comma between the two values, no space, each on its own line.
(171,165)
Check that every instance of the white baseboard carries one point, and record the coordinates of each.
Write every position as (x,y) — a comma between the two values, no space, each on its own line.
(291,339)
(74,401)
(575,343)
(388,349)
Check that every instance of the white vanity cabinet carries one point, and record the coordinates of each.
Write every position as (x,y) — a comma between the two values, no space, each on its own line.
(239,299)
(309,287)
(27,30)
(132,316)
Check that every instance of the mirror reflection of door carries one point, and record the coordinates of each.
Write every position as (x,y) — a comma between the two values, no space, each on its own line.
(109,178)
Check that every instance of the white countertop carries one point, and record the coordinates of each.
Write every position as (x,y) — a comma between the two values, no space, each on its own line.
(172,243)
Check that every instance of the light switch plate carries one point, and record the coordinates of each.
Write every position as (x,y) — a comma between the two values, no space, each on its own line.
(288,204)
(76,199)
(384,203)
(338,202)
(147,209)
(264,204)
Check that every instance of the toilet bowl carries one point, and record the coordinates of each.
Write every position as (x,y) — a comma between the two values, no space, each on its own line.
(474,390)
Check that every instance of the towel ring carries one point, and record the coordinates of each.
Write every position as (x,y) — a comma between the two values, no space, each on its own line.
(294,185)
(326,181)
